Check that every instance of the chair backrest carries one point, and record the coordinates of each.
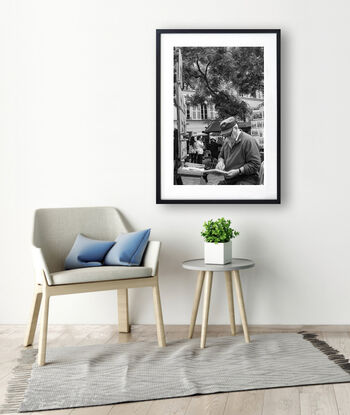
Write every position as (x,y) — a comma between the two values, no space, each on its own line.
(55,230)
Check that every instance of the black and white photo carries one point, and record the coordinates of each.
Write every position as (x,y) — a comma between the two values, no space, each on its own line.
(218,116)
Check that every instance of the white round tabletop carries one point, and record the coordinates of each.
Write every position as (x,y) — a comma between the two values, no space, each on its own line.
(235,264)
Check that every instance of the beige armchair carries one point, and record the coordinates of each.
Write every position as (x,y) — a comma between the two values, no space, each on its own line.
(53,236)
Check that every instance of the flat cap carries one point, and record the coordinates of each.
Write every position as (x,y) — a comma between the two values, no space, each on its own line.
(227,125)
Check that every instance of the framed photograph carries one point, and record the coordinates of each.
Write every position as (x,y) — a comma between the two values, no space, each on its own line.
(218,116)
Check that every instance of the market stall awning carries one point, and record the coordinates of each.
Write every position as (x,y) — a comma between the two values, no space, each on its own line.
(199,134)
(214,126)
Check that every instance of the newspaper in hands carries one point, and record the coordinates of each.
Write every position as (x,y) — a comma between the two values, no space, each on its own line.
(213,171)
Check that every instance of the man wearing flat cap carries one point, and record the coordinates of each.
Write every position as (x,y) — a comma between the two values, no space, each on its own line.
(239,155)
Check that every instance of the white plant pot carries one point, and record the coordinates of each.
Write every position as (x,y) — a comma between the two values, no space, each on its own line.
(220,253)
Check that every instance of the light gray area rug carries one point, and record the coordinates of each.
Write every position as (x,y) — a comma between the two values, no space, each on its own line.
(108,374)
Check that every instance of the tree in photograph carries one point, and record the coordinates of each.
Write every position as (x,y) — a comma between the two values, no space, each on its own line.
(221,74)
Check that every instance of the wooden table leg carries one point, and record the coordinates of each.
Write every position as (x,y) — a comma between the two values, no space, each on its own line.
(241,305)
(197,298)
(231,310)
(207,292)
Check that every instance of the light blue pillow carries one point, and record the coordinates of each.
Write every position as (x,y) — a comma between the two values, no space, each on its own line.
(128,249)
(87,252)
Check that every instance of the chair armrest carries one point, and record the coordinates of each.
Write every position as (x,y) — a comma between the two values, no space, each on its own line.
(40,267)
(151,256)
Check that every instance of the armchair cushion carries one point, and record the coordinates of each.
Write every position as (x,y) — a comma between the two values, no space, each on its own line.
(129,249)
(94,274)
(87,252)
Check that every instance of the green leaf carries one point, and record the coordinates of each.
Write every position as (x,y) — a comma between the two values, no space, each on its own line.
(218,231)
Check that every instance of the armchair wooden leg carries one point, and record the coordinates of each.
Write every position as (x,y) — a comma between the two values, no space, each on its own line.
(123,311)
(43,330)
(29,336)
(159,316)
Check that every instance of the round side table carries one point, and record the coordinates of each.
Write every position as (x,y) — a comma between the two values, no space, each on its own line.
(206,270)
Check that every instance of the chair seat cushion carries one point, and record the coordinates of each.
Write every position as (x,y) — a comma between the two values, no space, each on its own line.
(95,274)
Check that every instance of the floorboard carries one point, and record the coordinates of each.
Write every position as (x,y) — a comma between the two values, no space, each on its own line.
(284,401)
(245,403)
(318,400)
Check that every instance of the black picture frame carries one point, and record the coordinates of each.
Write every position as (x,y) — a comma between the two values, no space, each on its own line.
(159,197)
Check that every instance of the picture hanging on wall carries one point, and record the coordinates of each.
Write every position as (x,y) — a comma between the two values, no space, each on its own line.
(218,116)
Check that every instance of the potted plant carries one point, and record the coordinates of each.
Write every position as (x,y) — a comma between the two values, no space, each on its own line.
(218,245)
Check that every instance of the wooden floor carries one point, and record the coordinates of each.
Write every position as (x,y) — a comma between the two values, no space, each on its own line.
(311,400)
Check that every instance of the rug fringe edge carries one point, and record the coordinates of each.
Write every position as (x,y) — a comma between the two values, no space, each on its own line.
(332,354)
(18,383)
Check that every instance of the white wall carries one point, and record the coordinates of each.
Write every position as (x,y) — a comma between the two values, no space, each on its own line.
(77,128)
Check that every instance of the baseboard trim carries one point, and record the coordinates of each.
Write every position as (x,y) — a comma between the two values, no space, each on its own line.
(341,328)
(337,328)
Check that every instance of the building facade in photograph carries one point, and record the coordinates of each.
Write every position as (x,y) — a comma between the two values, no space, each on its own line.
(198,117)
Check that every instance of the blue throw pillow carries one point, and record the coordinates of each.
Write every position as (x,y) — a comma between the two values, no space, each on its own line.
(87,252)
(128,249)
